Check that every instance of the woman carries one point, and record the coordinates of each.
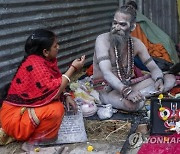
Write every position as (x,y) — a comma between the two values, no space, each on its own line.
(33,109)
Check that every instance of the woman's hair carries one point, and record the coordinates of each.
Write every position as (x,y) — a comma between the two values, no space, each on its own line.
(130,8)
(40,39)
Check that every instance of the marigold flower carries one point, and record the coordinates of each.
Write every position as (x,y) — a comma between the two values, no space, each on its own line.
(160,96)
(161,109)
(90,148)
(37,149)
(165,118)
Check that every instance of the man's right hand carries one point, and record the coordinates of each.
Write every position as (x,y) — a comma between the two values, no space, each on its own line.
(135,97)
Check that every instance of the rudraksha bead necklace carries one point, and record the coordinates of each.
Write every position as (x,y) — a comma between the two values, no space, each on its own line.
(124,73)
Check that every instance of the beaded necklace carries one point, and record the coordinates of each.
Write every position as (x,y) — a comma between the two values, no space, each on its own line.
(124,73)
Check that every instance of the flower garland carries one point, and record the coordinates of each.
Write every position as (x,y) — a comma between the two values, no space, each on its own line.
(170,116)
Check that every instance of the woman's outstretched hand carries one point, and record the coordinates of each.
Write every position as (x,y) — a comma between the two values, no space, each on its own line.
(79,63)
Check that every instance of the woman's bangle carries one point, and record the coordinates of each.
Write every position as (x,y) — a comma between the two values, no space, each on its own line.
(74,67)
(66,94)
(160,78)
(66,77)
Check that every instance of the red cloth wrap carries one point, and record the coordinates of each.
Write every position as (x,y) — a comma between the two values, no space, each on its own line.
(36,82)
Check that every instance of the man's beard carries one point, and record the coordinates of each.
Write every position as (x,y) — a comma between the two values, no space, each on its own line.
(118,39)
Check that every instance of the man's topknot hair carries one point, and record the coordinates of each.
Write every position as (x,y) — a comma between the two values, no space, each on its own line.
(129,8)
(132,4)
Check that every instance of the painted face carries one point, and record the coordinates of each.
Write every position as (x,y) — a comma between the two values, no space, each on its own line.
(121,24)
(52,53)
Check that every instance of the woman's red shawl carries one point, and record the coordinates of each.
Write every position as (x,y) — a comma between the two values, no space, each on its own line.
(36,82)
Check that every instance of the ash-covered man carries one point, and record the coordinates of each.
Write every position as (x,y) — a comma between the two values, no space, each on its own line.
(113,65)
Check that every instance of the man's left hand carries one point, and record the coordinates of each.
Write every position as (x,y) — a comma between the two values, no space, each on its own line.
(159,86)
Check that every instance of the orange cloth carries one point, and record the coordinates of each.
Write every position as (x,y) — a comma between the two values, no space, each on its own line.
(21,128)
(175,90)
(155,50)
(89,71)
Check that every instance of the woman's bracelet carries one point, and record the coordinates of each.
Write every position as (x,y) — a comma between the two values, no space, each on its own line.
(74,67)
(66,94)
(160,78)
(64,75)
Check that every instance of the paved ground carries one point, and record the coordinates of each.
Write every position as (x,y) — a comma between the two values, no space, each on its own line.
(78,148)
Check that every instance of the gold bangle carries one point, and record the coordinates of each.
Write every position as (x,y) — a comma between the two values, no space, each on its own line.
(66,77)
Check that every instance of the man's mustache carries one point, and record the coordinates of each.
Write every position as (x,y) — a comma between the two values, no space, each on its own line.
(114,31)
